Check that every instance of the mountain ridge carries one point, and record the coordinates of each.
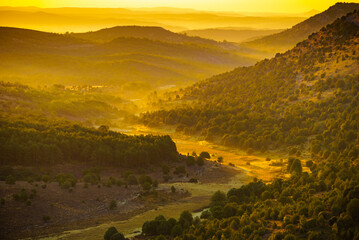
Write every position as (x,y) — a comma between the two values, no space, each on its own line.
(284,40)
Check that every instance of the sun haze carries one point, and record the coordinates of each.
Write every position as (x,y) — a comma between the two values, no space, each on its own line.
(209,5)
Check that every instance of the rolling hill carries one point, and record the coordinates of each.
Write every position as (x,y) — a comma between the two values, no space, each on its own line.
(231,34)
(34,57)
(287,39)
(153,33)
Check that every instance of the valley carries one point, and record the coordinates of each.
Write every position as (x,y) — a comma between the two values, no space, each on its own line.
(169,123)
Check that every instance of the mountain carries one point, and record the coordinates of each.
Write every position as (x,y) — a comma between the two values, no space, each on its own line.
(287,39)
(231,35)
(276,103)
(300,111)
(35,57)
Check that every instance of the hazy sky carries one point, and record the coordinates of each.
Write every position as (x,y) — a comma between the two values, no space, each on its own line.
(213,5)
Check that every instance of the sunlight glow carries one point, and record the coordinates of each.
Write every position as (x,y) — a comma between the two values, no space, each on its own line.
(211,5)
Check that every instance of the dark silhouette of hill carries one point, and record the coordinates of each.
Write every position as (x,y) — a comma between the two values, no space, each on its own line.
(153,33)
(283,41)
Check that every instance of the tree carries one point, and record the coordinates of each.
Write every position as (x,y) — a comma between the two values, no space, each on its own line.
(110,232)
(176,230)
(118,236)
(218,198)
(185,219)
(296,166)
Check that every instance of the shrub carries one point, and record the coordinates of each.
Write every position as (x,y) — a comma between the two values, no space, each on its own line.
(205,155)
(193,180)
(91,178)
(146,186)
(45,178)
(132,180)
(66,180)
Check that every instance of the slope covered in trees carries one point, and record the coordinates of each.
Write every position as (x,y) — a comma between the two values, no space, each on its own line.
(287,39)
(307,99)
(283,102)
(44,142)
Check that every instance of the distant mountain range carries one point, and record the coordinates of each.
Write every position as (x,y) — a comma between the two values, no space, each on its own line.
(283,41)
(91,19)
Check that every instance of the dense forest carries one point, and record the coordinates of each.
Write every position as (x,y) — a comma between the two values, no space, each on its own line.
(44,142)
(305,100)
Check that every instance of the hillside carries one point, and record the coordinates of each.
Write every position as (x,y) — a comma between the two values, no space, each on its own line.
(34,57)
(257,107)
(149,32)
(304,103)
(232,35)
(287,39)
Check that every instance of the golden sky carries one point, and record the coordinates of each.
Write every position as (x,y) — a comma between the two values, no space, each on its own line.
(212,5)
